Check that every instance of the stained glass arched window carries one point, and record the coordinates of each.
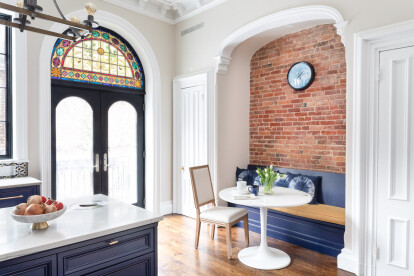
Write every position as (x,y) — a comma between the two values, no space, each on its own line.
(103,57)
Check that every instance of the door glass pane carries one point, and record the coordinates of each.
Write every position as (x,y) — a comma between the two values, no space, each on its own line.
(122,152)
(74,148)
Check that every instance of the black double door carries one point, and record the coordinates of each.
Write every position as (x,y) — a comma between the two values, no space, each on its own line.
(92,151)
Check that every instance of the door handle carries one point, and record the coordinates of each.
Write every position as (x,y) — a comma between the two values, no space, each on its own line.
(182,168)
(97,165)
(105,160)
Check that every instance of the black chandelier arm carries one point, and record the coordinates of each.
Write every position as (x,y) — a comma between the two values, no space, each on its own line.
(73,31)
(58,9)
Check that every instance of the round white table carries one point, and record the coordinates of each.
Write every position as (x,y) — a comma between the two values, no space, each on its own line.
(263,256)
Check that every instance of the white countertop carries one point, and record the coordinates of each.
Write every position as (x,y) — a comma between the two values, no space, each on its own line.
(282,197)
(18,182)
(16,239)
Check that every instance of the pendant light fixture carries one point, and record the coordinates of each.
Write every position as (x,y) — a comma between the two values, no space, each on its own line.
(30,9)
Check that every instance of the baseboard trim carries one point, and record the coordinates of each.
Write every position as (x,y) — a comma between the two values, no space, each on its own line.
(166,208)
(347,261)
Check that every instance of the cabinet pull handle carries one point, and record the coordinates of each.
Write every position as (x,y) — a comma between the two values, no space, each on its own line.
(113,242)
(11,197)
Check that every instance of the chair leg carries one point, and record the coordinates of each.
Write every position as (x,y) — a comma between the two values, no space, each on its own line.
(197,237)
(212,230)
(246,230)
(228,239)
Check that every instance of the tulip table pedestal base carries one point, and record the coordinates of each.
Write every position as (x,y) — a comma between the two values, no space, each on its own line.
(263,256)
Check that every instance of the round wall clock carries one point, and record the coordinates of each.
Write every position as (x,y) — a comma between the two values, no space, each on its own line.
(301,75)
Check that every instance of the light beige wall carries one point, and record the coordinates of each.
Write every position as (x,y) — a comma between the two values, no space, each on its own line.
(160,36)
(197,50)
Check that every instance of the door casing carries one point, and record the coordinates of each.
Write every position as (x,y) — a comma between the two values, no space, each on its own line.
(359,254)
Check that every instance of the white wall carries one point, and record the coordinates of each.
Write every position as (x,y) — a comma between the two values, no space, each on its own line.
(160,35)
(197,50)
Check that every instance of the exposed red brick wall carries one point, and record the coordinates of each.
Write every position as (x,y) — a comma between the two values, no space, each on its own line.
(299,129)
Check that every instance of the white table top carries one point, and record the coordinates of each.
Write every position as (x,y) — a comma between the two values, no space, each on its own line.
(18,182)
(282,197)
(16,239)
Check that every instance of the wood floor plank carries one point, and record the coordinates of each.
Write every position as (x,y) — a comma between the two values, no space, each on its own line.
(177,256)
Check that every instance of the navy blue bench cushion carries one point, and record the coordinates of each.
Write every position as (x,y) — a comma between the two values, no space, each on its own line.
(332,188)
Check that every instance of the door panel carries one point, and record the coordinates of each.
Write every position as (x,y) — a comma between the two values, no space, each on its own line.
(75,143)
(193,137)
(395,199)
(123,146)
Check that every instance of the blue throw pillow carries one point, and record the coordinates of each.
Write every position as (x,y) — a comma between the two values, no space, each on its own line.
(282,182)
(257,180)
(304,185)
(246,175)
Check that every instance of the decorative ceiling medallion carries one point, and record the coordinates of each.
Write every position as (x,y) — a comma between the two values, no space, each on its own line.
(170,11)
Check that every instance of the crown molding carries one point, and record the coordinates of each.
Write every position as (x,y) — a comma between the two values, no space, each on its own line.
(182,8)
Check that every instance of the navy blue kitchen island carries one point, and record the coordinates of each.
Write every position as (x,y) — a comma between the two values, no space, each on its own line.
(116,239)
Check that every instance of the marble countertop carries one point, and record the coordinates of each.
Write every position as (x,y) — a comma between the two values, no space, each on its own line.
(16,239)
(18,182)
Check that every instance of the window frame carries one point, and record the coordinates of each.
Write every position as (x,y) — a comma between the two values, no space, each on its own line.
(9,89)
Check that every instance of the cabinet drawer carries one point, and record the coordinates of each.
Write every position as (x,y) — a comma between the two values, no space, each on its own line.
(13,196)
(109,251)
(45,266)
(141,266)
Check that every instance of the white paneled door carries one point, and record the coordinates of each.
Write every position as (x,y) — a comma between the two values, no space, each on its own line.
(191,145)
(395,200)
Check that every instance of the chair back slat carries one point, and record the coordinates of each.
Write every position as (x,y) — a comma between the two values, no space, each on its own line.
(202,185)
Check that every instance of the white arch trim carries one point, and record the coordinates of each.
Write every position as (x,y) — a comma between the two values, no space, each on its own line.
(273,21)
(152,102)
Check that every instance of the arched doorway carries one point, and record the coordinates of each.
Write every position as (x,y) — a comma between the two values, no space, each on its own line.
(97,108)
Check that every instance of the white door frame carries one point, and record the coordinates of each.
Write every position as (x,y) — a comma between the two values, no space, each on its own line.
(152,102)
(368,45)
(207,77)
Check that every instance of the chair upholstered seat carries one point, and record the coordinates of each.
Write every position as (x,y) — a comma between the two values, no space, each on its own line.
(223,214)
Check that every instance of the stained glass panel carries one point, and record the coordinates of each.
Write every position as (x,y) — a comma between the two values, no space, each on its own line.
(101,58)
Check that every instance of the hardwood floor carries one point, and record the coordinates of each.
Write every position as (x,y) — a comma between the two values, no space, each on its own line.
(177,256)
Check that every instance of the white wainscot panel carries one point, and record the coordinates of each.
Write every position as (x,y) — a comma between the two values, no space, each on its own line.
(398,242)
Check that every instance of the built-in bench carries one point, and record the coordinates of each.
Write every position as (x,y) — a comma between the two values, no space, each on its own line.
(317,227)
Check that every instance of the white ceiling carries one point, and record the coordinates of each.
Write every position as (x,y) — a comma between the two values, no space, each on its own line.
(171,11)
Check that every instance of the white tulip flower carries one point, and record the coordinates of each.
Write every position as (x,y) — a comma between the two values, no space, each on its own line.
(257,171)
(271,167)
(267,175)
(266,170)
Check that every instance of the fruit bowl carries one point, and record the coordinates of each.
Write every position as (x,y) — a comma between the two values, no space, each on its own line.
(38,221)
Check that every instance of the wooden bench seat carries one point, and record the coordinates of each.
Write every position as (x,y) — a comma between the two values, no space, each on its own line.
(321,212)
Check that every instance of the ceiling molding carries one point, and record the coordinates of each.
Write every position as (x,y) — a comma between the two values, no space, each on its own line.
(169,11)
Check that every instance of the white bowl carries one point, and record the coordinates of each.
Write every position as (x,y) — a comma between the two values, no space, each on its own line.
(39,221)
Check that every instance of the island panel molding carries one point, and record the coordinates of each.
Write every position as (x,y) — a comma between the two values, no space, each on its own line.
(135,252)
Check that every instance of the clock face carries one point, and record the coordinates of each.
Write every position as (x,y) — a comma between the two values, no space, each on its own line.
(301,75)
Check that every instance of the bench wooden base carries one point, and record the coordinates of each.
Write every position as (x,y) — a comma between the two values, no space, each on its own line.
(320,236)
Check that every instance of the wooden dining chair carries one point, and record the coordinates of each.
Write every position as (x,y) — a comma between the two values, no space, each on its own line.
(216,215)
